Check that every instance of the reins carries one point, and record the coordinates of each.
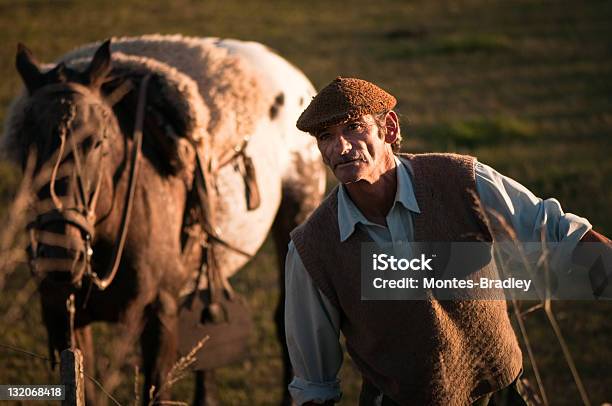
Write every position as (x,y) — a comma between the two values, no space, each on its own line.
(102,283)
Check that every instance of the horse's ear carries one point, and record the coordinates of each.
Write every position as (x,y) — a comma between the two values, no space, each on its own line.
(57,74)
(27,66)
(100,65)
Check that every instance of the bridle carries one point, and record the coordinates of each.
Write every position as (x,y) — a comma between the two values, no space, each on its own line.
(83,216)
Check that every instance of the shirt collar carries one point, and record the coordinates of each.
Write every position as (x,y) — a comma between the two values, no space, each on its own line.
(349,215)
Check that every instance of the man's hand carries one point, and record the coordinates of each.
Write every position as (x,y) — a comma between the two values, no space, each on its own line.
(594,236)
(597,258)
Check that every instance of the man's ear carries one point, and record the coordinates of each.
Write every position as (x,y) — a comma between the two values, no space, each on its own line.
(392,126)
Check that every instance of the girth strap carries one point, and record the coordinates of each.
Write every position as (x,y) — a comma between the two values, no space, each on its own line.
(250,177)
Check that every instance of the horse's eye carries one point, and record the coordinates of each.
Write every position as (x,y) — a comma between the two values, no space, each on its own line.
(86,143)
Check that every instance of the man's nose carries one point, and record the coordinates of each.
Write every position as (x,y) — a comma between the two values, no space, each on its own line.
(343,145)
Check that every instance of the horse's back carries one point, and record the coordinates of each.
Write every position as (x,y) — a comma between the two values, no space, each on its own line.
(291,89)
(303,173)
(284,157)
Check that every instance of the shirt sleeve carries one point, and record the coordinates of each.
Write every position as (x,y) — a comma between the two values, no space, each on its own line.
(312,326)
(530,218)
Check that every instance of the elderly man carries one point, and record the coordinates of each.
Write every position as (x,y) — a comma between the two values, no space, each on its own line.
(426,352)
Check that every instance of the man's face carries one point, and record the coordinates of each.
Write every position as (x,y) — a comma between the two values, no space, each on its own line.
(355,150)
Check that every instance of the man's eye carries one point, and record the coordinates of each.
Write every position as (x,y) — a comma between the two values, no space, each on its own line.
(354,126)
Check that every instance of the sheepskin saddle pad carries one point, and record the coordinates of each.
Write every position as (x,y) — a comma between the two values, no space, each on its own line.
(217,94)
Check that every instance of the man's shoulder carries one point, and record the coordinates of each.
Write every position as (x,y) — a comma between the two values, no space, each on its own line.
(429,166)
(438,157)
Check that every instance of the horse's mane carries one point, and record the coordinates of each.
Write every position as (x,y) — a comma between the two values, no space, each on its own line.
(218,98)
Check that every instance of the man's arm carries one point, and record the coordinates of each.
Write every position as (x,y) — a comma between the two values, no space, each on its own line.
(531,218)
(312,326)
(594,252)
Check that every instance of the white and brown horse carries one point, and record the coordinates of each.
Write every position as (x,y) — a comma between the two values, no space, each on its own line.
(112,220)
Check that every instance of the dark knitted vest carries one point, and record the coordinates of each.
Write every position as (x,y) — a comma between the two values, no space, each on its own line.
(425,352)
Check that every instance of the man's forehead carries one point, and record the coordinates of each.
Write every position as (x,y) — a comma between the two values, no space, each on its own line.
(368,118)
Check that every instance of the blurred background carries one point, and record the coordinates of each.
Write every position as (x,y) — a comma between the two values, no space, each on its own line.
(525,86)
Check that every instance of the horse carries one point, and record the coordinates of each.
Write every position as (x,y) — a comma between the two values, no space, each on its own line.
(155,158)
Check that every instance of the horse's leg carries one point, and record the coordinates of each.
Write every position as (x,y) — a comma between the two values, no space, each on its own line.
(84,341)
(159,346)
(294,208)
(205,389)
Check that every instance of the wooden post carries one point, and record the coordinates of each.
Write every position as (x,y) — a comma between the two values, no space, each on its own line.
(71,371)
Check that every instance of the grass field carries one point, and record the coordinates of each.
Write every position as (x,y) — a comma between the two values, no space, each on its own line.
(523,85)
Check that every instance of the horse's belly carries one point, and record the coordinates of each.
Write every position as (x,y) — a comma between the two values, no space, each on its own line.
(242,228)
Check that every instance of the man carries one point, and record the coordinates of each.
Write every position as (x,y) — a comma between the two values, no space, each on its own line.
(408,352)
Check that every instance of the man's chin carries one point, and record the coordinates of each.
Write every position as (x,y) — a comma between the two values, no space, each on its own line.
(350,173)
(348,178)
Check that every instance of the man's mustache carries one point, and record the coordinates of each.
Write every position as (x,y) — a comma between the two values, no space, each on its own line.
(348,158)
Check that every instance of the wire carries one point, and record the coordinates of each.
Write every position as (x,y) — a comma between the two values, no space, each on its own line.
(22,351)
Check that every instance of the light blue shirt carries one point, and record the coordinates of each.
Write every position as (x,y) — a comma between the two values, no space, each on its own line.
(313,324)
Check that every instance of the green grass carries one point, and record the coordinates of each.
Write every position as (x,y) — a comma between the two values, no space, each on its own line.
(524,86)
(477,132)
(448,45)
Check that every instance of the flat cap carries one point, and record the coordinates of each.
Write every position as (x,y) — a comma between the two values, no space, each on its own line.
(342,100)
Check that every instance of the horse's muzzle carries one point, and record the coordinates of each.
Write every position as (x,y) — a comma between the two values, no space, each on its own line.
(60,246)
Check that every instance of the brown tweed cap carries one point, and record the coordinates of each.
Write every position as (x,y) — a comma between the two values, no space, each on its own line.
(342,100)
